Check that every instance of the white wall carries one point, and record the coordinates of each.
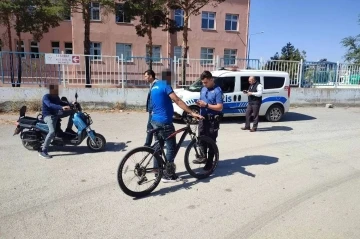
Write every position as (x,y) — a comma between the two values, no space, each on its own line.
(306,96)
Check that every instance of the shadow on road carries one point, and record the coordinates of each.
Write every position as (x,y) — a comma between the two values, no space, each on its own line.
(293,116)
(275,128)
(84,149)
(225,168)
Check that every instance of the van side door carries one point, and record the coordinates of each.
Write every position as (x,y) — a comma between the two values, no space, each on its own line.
(228,85)
(275,89)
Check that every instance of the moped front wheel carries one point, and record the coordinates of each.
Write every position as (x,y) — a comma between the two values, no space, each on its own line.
(99,143)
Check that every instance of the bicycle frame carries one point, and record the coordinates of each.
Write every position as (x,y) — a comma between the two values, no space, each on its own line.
(158,145)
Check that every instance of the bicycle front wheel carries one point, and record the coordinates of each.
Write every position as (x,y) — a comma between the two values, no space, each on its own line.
(147,171)
(195,151)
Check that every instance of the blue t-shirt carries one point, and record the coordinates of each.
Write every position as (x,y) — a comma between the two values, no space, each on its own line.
(211,96)
(161,103)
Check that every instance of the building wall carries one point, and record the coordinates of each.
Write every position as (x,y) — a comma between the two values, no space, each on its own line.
(108,32)
(61,33)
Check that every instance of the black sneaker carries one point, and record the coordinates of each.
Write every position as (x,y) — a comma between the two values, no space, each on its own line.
(208,166)
(45,154)
(171,179)
(199,160)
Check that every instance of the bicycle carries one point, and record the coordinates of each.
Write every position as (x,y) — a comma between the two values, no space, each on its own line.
(157,152)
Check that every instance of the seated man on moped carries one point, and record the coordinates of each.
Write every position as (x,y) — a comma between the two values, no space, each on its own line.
(53,109)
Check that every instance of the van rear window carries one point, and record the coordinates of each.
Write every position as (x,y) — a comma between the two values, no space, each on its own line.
(273,82)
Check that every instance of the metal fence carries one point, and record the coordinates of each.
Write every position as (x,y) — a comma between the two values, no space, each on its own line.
(27,68)
(188,70)
(292,67)
(241,63)
(134,68)
(103,70)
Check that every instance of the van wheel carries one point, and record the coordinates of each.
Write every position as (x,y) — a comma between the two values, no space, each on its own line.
(274,113)
(194,109)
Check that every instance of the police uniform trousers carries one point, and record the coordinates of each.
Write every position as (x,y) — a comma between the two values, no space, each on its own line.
(209,127)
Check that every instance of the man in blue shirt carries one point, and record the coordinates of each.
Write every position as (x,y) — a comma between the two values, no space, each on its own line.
(211,105)
(150,78)
(52,109)
(162,96)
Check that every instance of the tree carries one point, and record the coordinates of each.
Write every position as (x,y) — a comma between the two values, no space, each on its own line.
(190,7)
(353,49)
(33,16)
(6,17)
(288,53)
(85,7)
(352,43)
(323,60)
(153,14)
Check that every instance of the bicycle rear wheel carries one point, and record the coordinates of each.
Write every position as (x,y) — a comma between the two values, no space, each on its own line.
(140,171)
(201,172)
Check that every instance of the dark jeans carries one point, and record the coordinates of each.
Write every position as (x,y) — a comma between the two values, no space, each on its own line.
(67,113)
(167,129)
(253,107)
(209,128)
(149,136)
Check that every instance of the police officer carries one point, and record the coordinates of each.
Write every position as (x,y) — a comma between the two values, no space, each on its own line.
(254,102)
(211,105)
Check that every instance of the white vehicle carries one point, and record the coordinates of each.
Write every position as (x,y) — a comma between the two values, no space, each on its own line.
(275,98)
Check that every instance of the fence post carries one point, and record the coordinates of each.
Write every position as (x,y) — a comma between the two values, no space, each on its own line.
(122,71)
(337,74)
(63,72)
(2,68)
(175,73)
(300,72)
(217,63)
(260,63)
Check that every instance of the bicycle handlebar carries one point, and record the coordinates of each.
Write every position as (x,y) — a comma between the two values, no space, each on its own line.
(189,118)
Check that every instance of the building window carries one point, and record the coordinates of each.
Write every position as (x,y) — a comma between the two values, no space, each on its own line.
(208,20)
(179,17)
(68,48)
(178,52)
(231,22)
(55,45)
(125,49)
(22,48)
(156,53)
(95,51)
(121,17)
(230,57)
(95,11)
(34,48)
(207,56)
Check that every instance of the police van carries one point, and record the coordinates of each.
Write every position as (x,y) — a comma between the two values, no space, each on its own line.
(275,97)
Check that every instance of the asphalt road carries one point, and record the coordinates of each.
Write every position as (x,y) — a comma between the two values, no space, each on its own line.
(298,178)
